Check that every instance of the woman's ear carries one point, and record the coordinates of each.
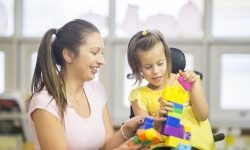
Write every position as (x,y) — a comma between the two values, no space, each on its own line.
(68,55)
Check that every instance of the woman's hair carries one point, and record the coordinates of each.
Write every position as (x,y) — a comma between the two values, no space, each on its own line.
(144,41)
(50,63)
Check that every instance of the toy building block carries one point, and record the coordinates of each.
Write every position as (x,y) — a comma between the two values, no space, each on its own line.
(172,131)
(183,147)
(186,85)
(146,134)
(146,137)
(148,123)
(177,135)
(171,141)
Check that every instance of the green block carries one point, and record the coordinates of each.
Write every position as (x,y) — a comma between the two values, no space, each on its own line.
(177,110)
(136,140)
(146,142)
(175,115)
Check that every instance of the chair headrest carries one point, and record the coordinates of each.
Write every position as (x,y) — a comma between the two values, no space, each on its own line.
(178,60)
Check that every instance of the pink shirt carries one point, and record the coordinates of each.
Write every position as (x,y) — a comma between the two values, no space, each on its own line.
(80,132)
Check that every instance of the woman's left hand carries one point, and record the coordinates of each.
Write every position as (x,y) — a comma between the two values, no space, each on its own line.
(127,146)
(131,125)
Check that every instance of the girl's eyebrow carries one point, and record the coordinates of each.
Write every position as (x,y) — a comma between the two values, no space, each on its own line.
(156,61)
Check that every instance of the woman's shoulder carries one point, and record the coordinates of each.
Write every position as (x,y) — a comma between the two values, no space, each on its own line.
(42,97)
(43,100)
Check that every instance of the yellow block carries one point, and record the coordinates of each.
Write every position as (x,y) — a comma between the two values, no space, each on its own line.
(176,95)
(153,135)
(172,141)
(28,146)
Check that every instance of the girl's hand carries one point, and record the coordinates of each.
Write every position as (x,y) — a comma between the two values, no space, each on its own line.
(189,76)
(165,107)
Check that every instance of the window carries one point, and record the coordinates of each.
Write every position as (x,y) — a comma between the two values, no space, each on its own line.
(189,61)
(170,17)
(235,81)
(33,63)
(6,17)
(2,71)
(229,81)
(53,14)
(231,18)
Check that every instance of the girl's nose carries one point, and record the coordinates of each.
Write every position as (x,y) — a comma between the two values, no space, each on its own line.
(155,70)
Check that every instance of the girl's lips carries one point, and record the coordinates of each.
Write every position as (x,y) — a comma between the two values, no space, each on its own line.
(157,79)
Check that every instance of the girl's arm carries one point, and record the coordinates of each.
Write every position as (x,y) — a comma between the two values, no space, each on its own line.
(49,130)
(114,140)
(197,96)
(198,101)
(164,108)
(137,110)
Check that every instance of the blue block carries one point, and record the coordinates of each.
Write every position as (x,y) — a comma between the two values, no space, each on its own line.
(179,106)
(148,123)
(171,121)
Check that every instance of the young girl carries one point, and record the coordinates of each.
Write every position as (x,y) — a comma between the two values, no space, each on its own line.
(149,58)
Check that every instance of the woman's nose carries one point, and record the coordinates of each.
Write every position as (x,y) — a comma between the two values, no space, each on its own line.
(101,60)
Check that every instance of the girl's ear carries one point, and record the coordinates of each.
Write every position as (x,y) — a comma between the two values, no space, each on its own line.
(67,55)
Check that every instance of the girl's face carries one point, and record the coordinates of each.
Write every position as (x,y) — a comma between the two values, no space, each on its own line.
(153,66)
(90,58)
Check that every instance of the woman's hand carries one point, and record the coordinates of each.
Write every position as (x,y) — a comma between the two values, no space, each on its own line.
(131,125)
(127,146)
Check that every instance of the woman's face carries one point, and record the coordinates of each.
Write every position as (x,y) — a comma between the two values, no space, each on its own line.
(90,58)
(154,65)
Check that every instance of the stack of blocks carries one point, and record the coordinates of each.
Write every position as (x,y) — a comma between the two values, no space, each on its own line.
(177,135)
(146,134)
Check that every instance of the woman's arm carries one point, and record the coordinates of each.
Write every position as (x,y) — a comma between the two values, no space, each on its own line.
(49,130)
(114,140)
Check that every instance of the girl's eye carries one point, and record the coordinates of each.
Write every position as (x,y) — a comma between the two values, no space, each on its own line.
(147,67)
(160,64)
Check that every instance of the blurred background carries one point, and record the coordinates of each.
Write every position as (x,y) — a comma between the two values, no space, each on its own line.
(214,34)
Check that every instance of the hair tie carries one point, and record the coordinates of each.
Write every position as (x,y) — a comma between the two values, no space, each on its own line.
(144,33)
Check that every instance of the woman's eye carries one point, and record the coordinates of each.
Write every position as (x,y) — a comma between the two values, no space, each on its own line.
(94,53)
